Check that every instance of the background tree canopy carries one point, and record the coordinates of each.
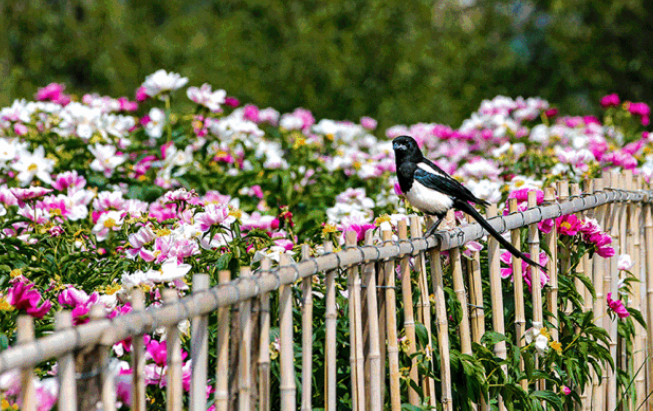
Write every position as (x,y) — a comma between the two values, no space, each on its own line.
(398,61)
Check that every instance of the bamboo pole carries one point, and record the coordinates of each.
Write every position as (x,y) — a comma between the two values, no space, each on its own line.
(477,315)
(461,294)
(307,335)
(264,344)
(580,268)
(383,333)
(286,352)
(409,319)
(428,384)
(442,323)
(108,383)
(331,317)
(588,266)
(244,352)
(369,280)
(174,376)
(634,236)
(25,334)
(518,284)
(551,240)
(496,295)
(534,248)
(610,283)
(391,312)
(138,356)
(563,253)
(199,350)
(66,367)
(648,232)
(598,389)
(356,357)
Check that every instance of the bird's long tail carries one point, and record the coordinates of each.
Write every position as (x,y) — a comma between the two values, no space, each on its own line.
(469,209)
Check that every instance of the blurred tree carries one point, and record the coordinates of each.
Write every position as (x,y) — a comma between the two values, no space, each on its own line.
(398,61)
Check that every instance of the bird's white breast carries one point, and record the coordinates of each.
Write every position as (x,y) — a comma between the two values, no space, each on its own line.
(428,201)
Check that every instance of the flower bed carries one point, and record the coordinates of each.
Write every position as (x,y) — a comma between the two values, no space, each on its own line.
(101,195)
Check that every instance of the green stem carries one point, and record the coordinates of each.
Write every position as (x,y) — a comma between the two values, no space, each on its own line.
(168,115)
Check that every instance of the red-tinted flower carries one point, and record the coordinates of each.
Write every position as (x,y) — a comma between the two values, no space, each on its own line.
(566,390)
(617,307)
(552,112)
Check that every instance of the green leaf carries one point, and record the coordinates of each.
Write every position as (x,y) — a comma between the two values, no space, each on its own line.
(550,397)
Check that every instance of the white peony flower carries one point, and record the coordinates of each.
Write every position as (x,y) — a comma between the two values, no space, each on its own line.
(33,165)
(162,81)
(207,98)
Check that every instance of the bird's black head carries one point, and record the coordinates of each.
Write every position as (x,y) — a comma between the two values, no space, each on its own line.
(406,148)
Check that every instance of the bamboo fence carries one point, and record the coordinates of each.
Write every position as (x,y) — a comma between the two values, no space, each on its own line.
(384,310)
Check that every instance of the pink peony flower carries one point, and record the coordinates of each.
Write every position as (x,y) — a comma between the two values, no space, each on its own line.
(368,123)
(213,215)
(522,195)
(617,307)
(566,390)
(611,100)
(141,94)
(23,296)
(24,195)
(53,92)
(69,179)
(231,102)
(568,225)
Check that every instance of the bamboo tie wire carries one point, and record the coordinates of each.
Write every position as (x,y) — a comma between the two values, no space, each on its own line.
(409,319)
(331,317)
(391,317)
(424,307)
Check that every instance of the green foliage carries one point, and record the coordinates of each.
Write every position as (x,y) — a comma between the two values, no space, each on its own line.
(401,62)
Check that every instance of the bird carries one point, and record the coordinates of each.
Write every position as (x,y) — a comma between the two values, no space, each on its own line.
(432,191)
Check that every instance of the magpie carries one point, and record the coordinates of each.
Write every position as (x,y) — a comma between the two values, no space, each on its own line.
(432,191)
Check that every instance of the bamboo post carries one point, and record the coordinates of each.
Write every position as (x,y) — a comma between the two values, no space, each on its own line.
(264,344)
(518,284)
(563,253)
(138,356)
(442,324)
(428,384)
(598,388)
(461,294)
(496,295)
(534,249)
(477,315)
(381,284)
(66,367)
(174,375)
(589,268)
(648,233)
(108,383)
(307,335)
(635,224)
(610,285)
(199,350)
(25,334)
(286,353)
(222,351)
(391,312)
(331,317)
(356,357)
(409,319)
(244,354)
(369,280)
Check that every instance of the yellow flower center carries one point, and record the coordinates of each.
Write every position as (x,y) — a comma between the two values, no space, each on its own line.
(236,213)
(382,219)
(565,225)
(109,223)
(33,167)
(16,272)
(112,289)
(329,228)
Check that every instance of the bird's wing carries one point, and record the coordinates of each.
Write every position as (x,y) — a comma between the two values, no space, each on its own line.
(431,176)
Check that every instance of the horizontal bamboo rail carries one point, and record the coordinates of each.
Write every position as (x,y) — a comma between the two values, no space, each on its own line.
(111,331)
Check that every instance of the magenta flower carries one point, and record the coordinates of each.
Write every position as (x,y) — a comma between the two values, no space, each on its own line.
(566,390)
(126,105)
(24,195)
(23,296)
(69,179)
(506,258)
(251,113)
(368,123)
(20,129)
(179,195)
(617,307)
(53,92)
(231,102)
(141,94)
(568,225)
(213,215)
(522,195)
(397,189)
(611,100)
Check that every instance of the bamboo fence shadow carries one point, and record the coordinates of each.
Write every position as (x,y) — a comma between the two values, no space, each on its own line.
(243,379)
